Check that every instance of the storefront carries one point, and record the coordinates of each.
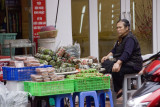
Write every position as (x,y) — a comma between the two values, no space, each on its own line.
(91,23)
(98,39)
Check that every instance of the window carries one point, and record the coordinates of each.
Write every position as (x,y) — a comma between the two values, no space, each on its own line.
(141,23)
(108,15)
(80,25)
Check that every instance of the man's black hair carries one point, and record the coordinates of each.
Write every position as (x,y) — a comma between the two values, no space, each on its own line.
(126,22)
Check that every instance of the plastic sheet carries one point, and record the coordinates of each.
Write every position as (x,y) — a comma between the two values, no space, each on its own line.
(17,99)
(3,95)
(12,98)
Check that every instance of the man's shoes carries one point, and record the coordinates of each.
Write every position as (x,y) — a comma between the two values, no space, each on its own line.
(107,98)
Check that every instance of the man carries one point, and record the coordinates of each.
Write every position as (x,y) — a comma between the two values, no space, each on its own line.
(124,58)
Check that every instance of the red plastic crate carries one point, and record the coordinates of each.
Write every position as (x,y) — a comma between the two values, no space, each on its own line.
(1,77)
(4,61)
(4,57)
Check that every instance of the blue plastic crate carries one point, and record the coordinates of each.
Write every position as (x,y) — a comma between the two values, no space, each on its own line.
(20,74)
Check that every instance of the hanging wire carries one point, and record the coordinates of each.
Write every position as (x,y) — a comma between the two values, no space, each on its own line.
(57,14)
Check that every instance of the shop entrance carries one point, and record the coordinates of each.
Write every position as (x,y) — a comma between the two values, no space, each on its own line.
(16,18)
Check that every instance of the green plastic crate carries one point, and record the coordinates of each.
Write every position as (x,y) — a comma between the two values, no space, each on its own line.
(51,102)
(49,88)
(7,36)
(93,83)
(6,51)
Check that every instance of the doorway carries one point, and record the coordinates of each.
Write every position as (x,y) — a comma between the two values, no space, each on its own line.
(16,18)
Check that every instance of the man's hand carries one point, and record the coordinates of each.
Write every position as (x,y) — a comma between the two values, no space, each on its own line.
(104,58)
(142,71)
(117,66)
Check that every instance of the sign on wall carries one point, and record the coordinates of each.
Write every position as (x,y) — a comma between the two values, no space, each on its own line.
(39,18)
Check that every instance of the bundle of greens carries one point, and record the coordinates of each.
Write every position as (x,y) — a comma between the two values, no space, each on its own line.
(62,61)
(86,74)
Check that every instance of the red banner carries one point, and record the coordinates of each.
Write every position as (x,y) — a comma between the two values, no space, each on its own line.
(39,18)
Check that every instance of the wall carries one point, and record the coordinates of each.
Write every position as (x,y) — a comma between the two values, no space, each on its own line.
(156,26)
(64,25)
(93,15)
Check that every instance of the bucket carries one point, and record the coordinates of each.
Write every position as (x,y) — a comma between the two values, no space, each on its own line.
(48,43)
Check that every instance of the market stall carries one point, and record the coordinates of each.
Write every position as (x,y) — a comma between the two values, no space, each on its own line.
(56,74)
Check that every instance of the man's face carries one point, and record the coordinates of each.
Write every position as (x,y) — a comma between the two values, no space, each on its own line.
(121,29)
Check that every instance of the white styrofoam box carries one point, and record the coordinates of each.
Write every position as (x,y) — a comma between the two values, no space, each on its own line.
(15,85)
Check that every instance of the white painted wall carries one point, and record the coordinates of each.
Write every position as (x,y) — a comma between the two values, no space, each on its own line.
(93,15)
(155,46)
(64,23)
(158,24)
(123,9)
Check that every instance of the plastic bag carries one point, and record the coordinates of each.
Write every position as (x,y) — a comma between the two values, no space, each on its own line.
(74,50)
(12,98)
(3,95)
(17,99)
